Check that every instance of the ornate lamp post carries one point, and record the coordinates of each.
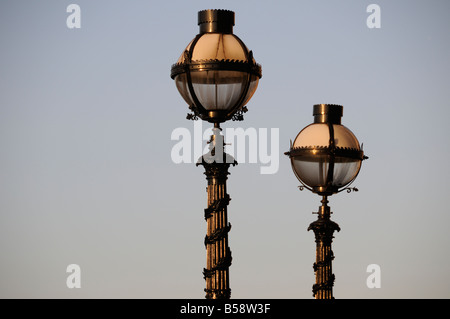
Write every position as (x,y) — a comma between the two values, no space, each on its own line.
(216,75)
(326,158)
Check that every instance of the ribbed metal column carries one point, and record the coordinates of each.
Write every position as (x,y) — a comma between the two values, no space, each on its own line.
(323,229)
(218,253)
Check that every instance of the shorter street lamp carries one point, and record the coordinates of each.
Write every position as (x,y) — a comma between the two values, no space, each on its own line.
(326,158)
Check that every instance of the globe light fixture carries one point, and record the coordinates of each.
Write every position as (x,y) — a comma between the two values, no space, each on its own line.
(326,155)
(216,74)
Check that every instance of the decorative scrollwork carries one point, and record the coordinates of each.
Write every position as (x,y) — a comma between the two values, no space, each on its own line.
(239,115)
(351,189)
(194,115)
(327,285)
(217,235)
(191,116)
(224,262)
(208,273)
(325,262)
(217,206)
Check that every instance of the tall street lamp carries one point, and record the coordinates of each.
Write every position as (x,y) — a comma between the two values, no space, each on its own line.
(216,75)
(326,158)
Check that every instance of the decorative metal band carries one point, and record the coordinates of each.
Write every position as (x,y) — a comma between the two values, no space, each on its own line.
(216,65)
(325,262)
(346,152)
(208,273)
(217,235)
(217,205)
(222,264)
(327,285)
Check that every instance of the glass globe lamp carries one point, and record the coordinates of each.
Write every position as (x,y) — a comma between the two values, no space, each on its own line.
(216,74)
(326,156)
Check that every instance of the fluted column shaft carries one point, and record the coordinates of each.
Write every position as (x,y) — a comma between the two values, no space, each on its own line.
(218,253)
(323,229)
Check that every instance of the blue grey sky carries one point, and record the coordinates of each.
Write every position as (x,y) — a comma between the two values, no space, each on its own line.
(86,175)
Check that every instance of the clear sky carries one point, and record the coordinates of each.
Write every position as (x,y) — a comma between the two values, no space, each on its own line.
(86,175)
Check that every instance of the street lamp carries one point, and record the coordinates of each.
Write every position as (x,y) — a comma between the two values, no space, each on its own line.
(216,75)
(326,158)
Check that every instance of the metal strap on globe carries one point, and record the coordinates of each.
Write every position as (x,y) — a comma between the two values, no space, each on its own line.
(309,151)
(217,65)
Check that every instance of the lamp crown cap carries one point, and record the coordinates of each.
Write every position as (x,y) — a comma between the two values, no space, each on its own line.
(328,113)
(216,21)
